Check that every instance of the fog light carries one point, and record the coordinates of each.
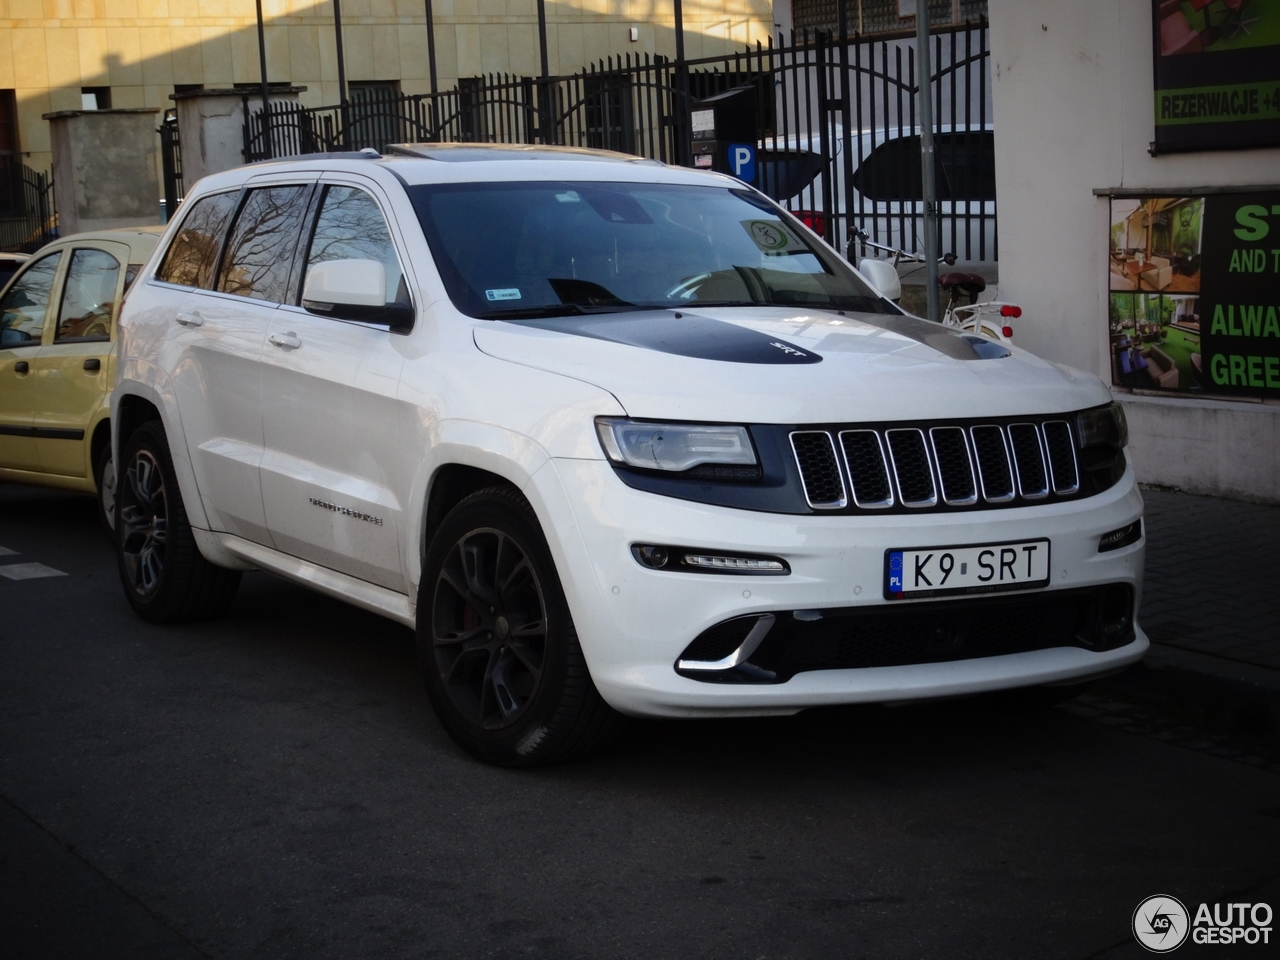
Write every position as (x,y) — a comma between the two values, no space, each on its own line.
(725,564)
(655,557)
(1121,538)
(693,560)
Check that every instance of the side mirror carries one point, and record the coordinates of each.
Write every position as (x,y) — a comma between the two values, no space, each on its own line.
(882,275)
(354,290)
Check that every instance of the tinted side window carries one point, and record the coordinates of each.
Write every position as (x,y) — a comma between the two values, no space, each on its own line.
(262,243)
(23,310)
(964,168)
(190,258)
(89,296)
(350,227)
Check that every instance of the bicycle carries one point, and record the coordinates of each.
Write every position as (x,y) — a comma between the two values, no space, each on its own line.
(974,316)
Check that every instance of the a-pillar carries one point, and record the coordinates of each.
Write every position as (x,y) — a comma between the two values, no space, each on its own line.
(105,168)
(211,127)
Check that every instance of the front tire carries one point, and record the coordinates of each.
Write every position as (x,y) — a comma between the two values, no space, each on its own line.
(165,578)
(496,643)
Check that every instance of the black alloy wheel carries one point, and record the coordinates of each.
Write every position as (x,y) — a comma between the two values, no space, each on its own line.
(496,642)
(489,628)
(144,523)
(165,578)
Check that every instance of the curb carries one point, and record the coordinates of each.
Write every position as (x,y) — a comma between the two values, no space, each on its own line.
(1240,695)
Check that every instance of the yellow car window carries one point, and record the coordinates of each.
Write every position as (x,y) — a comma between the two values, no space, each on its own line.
(88,297)
(23,310)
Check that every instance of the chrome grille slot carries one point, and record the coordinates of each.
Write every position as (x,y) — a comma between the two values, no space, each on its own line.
(1061,451)
(947,465)
(910,459)
(868,471)
(815,454)
(1028,461)
(955,466)
(994,471)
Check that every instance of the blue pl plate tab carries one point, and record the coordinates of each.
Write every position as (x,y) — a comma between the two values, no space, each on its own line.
(895,571)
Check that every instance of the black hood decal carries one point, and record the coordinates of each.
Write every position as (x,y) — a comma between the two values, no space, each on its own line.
(946,340)
(685,335)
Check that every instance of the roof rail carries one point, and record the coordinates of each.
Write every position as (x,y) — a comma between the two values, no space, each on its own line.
(368,153)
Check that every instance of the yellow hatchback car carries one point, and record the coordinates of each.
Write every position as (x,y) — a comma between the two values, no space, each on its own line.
(58,360)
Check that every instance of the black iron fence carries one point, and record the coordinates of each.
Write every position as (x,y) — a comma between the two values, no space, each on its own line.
(28,214)
(171,162)
(835,139)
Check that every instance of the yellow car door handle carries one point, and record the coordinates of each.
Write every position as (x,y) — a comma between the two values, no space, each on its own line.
(21,367)
(93,364)
(189,319)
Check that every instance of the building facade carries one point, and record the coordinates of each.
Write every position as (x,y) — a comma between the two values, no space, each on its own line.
(71,54)
(1138,175)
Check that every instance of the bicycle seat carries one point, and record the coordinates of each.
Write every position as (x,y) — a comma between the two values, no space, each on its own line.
(970,283)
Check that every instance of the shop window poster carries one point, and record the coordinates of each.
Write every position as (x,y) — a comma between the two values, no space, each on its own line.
(1194,294)
(1217,74)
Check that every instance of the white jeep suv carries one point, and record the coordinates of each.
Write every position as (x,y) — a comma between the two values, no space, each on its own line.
(613,437)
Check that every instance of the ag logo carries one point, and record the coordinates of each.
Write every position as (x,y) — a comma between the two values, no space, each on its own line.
(1161,923)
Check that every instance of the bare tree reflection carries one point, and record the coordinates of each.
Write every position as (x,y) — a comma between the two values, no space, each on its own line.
(23,310)
(89,297)
(262,242)
(190,260)
(351,227)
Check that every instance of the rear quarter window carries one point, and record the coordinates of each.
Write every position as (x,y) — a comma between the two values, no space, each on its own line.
(190,259)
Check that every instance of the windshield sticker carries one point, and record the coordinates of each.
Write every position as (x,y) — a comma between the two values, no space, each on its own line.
(569,196)
(773,238)
(504,293)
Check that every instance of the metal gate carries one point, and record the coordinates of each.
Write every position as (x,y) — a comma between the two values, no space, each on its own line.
(171,163)
(838,141)
(28,212)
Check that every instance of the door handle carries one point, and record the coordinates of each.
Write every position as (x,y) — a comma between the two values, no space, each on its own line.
(289,339)
(21,367)
(189,319)
(93,364)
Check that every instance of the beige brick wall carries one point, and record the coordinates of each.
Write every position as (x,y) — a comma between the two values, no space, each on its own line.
(49,49)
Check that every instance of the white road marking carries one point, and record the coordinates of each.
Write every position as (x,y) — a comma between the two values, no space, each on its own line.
(6,552)
(28,571)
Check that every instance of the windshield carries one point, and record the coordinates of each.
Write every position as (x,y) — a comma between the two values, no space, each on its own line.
(545,249)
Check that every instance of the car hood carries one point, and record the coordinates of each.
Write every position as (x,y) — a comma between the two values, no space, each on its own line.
(785,365)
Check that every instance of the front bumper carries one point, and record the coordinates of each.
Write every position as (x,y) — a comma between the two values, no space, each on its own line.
(634,622)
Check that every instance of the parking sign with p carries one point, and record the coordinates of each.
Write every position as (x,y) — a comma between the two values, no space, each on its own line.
(742,161)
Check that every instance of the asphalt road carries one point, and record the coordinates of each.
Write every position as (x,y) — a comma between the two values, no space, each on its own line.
(274,785)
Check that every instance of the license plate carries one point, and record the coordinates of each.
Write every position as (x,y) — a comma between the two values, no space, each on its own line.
(968,568)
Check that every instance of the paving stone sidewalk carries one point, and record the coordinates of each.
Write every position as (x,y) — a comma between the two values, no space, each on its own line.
(1213,577)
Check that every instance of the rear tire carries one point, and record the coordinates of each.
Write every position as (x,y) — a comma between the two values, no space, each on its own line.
(104,479)
(165,578)
(496,643)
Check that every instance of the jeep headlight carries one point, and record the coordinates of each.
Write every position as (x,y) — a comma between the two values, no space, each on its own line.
(674,447)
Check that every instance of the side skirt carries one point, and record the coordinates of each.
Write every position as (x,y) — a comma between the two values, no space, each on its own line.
(231,551)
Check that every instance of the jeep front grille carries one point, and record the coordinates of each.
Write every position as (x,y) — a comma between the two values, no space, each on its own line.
(949,466)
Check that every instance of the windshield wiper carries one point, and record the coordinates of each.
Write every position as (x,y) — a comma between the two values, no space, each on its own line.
(553,310)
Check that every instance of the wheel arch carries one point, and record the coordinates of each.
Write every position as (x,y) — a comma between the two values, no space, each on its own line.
(450,485)
(141,395)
